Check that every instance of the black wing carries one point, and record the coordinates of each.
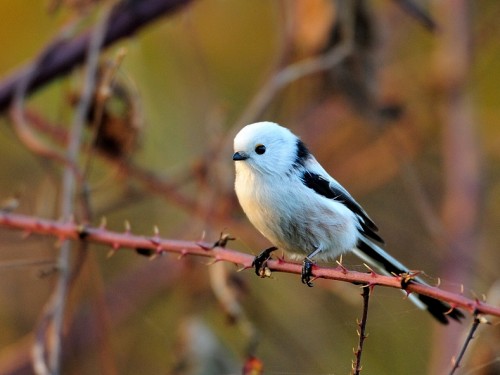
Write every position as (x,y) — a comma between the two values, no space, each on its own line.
(322,186)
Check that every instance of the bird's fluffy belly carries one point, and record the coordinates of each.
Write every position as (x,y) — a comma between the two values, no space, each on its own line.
(299,227)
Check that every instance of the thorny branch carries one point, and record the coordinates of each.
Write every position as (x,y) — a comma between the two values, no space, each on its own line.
(356,368)
(53,315)
(478,319)
(89,234)
(116,240)
(283,76)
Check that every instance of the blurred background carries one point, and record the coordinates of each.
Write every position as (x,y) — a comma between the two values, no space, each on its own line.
(397,99)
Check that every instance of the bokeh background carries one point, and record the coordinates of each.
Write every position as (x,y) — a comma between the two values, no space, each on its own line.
(406,119)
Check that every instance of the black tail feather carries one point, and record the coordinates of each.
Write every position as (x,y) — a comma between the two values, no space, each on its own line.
(440,310)
(377,257)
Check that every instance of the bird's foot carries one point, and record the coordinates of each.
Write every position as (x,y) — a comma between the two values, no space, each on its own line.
(306,276)
(260,262)
(407,278)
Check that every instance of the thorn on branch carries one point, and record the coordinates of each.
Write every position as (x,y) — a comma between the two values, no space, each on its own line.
(341,266)
(182,254)
(203,246)
(104,223)
(114,248)
(453,306)
(245,267)
(214,260)
(155,240)
(372,272)
(128,227)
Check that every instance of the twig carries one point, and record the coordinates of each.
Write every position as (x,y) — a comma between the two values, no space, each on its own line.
(54,313)
(226,294)
(115,240)
(24,133)
(415,10)
(456,361)
(163,186)
(280,79)
(26,263)
(126,18)
(356,368)
(152,181)
(294,72)
(463,193)
(83,331)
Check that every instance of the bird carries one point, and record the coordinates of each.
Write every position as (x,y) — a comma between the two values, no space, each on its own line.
(293,202)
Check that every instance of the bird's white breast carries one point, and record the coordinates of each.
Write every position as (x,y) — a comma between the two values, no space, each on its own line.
(294,217)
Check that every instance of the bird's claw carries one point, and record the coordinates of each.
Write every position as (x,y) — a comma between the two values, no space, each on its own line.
(407,278)
(260,261)
(306,275)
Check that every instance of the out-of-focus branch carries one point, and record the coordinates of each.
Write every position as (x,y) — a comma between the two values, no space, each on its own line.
(126,18)
(25,133)
(462,185)
(115,240)
(50,330)
(294,72)
(227,295)
(168,188)
(284,76)
(137,287)
(414,9)
(152,181)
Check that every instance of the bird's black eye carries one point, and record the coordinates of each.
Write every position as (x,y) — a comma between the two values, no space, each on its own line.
(260,149)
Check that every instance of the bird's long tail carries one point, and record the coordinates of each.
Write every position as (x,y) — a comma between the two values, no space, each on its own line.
(377,257)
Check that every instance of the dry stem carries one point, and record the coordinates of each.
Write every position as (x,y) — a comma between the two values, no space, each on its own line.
(356,368)
(117,240)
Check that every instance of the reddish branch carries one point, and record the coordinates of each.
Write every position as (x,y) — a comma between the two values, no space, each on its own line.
(117,241)
(126,18)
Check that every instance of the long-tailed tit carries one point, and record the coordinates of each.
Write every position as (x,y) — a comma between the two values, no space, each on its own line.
(301,209)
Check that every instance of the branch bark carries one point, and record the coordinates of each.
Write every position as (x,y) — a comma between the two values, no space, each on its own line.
(73,231)
(60,56)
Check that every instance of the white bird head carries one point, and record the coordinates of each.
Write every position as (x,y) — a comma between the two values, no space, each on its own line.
(267,148)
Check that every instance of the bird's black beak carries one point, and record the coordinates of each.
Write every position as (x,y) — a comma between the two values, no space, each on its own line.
(240,155)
